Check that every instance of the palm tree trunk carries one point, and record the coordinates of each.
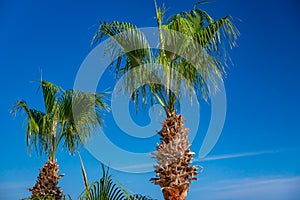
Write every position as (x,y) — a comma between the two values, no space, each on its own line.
(46,186)
(173,173)
(175,194)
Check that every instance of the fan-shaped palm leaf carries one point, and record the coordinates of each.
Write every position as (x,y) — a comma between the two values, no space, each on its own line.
(69,116)
(106,189)
(195,24)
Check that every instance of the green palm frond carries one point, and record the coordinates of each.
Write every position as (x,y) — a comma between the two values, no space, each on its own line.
(206,39)
(191,43)
(50,91)
(70,116)
(37,125)
(80,115)
(127,44)
(106,189)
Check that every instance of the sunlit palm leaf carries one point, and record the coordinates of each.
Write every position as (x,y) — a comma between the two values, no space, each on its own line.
(70,116)
(37,125)
(49,93)
(127,44)
(106,189)
(201,43)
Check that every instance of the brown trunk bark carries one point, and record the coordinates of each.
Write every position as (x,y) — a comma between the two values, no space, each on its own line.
(175,194)
(173,156)
(46,186)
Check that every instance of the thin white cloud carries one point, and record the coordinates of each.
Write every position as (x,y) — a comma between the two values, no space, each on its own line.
(140,166)
(259,188)
(8,189)
(237,155)
(14,185)
(210,158)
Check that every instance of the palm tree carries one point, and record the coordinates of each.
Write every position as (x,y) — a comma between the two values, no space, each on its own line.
(68,120)
(176,58)
(105,188)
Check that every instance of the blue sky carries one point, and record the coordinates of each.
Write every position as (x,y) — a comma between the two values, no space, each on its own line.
(257,155)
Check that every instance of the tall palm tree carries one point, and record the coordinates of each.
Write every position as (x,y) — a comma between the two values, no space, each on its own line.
(177,59)
(68,119)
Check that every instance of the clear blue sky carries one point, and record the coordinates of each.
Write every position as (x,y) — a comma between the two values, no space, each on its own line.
(257,156)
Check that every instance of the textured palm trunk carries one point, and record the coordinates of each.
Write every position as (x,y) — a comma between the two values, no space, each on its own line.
(173,172)
(46,186)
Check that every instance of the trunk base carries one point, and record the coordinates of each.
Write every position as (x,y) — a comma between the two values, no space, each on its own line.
(175,194)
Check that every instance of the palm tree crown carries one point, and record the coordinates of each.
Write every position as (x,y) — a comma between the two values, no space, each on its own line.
(69,117)
(190,43)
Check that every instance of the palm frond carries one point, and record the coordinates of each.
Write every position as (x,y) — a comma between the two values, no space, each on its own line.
(85,180)
(126,44)
(70,116)
(106,189)
(191,42)
(80,115)
(210,35)
(206,40)
(37,124)
(50,91)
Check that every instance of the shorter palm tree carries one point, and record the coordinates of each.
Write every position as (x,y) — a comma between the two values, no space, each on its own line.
(68,120)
